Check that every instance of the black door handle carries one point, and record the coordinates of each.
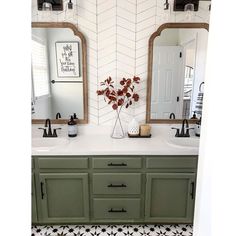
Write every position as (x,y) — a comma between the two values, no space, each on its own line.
(42,194)
(192,191)
(177,99)
(117,211)
(116,186)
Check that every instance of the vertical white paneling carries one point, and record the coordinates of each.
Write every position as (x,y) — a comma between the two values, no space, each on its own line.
(117,33)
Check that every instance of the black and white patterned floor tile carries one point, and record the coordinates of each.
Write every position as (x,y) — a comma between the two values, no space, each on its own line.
(112,230)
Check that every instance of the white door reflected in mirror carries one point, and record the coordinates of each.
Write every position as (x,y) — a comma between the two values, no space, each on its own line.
(179,57)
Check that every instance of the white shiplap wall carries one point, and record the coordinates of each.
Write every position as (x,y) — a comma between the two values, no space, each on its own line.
(117,33)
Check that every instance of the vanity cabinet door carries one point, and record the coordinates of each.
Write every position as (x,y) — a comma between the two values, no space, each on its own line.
(170,197)
(64,197)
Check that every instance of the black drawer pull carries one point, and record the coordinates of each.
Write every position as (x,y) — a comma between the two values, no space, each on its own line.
(116,186)
(112,164)
(117,211)
(192,191)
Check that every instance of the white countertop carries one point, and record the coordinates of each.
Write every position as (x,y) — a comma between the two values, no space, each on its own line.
(96,140)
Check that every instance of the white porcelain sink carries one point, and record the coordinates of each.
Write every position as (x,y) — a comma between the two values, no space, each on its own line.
(184,142)
(48,143)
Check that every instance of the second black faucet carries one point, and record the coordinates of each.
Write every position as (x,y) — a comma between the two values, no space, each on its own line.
(183,133)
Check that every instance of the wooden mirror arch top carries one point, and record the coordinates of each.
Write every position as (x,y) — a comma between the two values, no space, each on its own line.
(150,65)
(84,68)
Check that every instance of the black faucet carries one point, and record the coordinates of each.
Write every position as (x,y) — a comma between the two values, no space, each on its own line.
(48,124)
(49,134)
(172,115)
(58,115)
(182,132)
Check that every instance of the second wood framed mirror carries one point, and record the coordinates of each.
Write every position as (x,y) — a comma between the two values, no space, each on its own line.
(176,72)
(59,73)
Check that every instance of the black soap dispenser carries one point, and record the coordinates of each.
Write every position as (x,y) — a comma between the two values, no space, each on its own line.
(197,127)
(72,127)
(194,115)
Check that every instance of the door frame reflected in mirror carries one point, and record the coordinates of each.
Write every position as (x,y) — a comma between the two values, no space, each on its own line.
(84,68)
(150,67)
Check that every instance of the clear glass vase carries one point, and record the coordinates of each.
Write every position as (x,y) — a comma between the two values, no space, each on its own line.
(117,130)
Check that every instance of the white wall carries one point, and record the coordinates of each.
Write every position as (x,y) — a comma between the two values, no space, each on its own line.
(117,33)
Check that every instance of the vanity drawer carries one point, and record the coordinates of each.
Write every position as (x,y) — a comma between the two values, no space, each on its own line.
(122,183)
(62,162)
(172,162)
(116,208)
(117,163)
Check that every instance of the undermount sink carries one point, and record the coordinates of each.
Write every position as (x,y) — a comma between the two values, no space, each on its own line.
(184,142)
(48,143)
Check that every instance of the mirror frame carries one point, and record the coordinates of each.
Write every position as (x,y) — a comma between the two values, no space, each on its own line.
(84,68)
(150,65)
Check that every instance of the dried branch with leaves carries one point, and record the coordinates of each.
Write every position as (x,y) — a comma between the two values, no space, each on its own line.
(123,96)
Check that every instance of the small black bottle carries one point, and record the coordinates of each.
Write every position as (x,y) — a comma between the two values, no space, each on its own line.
(194,115)
(72,127)
(198,127)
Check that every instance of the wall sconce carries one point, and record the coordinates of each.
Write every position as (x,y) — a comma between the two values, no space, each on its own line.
(166,5)
(179,5)
(70,5)
(46,5)
(184,5)
(188,6)
(69,9)
(189,9)
(167,11)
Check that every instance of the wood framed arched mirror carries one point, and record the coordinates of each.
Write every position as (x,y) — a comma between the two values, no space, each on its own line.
(59,73)
(176,68)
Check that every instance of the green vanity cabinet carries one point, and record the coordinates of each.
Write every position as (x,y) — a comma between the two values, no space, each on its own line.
(170,197)
(113,189)
(64,197)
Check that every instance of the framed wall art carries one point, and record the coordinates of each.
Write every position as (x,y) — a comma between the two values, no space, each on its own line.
(68,60)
